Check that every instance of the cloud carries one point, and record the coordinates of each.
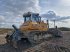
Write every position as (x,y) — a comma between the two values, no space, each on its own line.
(65,2)
(51,15)
(49,3)
(62,7)
(20,6)
(62,18)
(10,10)
(17,7)
(1,19)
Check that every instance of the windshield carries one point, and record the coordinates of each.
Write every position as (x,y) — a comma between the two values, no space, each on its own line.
(36,18)
(27,19)
(33,17)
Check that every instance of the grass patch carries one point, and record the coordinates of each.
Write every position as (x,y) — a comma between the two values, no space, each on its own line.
(4,30)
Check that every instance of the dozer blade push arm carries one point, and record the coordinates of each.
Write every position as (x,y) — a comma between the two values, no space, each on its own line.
(15,28)
(17,33)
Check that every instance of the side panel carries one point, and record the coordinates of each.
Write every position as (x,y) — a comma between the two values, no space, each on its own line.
(33,26)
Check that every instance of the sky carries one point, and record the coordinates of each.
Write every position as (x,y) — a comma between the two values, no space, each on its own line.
(11,11)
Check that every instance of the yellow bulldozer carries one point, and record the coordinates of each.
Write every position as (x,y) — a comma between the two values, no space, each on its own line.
(32,31)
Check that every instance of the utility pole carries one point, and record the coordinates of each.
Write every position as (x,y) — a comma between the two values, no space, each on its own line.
(48,24)
(54,23)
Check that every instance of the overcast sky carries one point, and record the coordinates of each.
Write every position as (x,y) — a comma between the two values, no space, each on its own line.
(12,10)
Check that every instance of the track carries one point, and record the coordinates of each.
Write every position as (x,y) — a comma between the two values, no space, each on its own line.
(46,47)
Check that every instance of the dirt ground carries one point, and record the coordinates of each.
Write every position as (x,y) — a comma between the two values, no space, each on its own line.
(64,41)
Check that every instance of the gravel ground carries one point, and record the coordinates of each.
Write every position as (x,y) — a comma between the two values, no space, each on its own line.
(65,41)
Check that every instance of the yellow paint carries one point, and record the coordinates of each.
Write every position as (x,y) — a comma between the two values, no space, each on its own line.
(34,26)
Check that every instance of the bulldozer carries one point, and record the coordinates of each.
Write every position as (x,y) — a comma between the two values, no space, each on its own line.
(32,31)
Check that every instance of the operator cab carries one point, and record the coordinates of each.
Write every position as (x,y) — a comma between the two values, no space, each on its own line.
(34,17)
